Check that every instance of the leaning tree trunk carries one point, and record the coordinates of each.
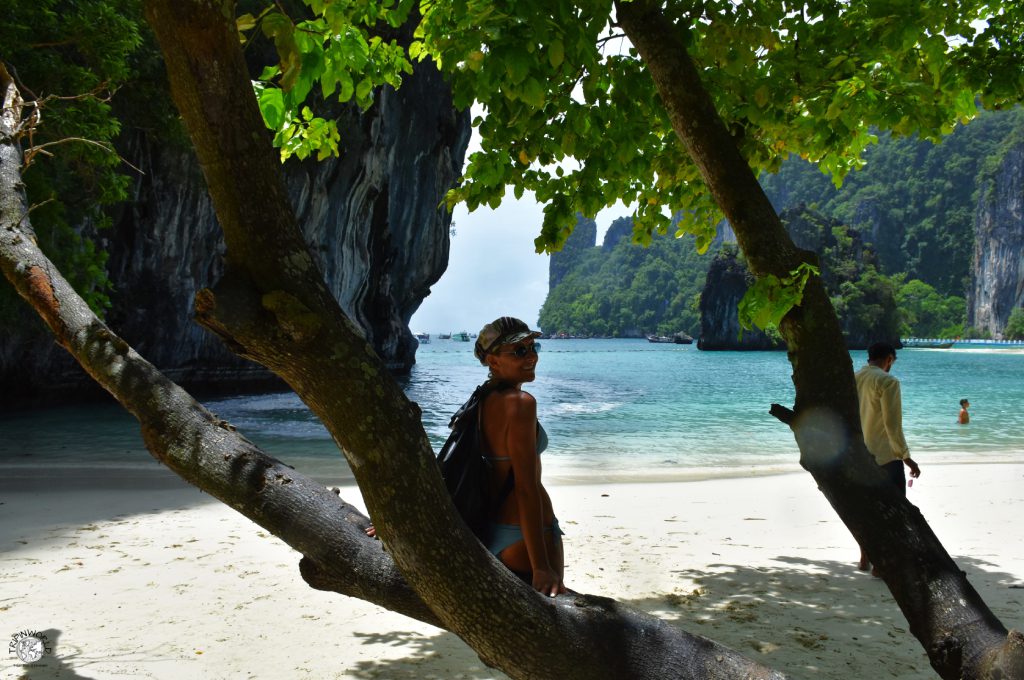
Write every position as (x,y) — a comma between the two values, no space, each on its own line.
(272,305)
(962,637)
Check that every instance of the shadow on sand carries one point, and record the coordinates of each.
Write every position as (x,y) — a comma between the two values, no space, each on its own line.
(56,663)
(810,619)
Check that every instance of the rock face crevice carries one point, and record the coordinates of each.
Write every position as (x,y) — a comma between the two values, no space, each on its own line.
(997,274)
(371,217)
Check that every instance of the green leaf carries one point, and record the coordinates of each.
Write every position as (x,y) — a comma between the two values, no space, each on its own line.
(276,24)
(271,101)
(245,22)
(270,72)
(556,53)
(346,88)
(363,89)
(533,93)
(770,298)
(517,66)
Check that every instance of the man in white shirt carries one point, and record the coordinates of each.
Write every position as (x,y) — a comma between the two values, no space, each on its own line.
(881,419)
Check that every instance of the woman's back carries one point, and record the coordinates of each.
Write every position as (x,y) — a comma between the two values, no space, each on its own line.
(508,417)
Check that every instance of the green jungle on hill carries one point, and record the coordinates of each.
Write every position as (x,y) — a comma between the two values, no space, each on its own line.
(895,242)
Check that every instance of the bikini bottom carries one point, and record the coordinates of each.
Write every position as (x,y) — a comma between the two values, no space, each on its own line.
(504,535)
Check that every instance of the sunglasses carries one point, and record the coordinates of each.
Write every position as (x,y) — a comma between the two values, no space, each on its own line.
(523,351)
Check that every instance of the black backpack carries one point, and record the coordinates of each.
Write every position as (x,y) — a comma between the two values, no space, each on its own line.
(466,468)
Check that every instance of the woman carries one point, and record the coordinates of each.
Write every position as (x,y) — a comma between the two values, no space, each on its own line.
(524,534)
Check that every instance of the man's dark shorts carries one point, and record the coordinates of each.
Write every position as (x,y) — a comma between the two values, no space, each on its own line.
(895,472)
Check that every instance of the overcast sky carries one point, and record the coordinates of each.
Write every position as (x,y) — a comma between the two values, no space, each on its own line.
(493,269)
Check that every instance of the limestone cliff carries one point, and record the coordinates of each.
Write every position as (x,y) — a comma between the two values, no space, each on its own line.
(727,281)
(371,216)
(621,229)
(582,239)
(866,303)
(997,276)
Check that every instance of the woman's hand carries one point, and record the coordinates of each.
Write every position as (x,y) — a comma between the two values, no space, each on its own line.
(371,531)
(548,582)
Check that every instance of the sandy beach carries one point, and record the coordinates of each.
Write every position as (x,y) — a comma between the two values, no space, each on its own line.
(149,578)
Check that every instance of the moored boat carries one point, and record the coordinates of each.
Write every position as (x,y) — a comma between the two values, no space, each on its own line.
(682,338)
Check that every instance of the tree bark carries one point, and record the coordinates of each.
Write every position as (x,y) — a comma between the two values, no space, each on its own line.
(962,637)
(272,306)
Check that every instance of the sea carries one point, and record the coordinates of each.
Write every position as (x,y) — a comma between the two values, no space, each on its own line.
(615,410)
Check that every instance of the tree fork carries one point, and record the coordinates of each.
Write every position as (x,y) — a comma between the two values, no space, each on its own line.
(960,634)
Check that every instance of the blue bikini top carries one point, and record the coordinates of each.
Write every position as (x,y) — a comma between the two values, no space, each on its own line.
(542,443)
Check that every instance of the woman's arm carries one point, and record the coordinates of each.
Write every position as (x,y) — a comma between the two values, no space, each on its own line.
(521,442)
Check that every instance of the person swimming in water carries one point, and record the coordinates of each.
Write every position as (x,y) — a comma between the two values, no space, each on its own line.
(964,417)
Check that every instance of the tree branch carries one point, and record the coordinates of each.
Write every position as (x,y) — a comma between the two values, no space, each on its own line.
(180,432)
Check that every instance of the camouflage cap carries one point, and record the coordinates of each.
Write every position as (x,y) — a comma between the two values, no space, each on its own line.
(501,331)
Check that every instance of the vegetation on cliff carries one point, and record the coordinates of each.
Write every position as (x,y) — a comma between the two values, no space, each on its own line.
(1015,328)
(913,200)
(911,209)
(68,72)
(625,290)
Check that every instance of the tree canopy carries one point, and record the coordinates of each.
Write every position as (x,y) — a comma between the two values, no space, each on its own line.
(570,115)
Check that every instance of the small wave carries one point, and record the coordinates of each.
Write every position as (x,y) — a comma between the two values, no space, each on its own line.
(578,409)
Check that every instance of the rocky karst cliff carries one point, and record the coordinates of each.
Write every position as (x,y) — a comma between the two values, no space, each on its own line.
(997,276)
(582,239)
(371,216)
(727,282)
(864,301)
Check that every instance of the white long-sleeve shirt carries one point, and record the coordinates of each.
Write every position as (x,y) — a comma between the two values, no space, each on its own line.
(881,414)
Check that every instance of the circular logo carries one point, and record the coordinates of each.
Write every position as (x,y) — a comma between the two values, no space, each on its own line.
(29,645)
(29,649)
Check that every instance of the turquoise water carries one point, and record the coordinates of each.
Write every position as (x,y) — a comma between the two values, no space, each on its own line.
(614,409)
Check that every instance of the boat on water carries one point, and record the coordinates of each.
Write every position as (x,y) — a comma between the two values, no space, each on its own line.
(461,336)
(423,338)
(444,336)
(676,339)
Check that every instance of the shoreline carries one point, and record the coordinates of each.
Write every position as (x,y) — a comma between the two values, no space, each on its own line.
(168,582)
(149,474)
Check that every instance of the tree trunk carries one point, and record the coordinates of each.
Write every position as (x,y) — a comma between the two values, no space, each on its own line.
(962,637)
(272,306)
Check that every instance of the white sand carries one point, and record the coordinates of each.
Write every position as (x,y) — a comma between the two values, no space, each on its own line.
(161,582)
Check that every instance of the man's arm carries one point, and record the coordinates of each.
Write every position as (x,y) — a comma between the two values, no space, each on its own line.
(892,419)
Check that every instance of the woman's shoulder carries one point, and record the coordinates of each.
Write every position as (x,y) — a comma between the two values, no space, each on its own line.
(514,401)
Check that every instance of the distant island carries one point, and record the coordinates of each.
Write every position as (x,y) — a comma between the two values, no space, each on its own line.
(903,246)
